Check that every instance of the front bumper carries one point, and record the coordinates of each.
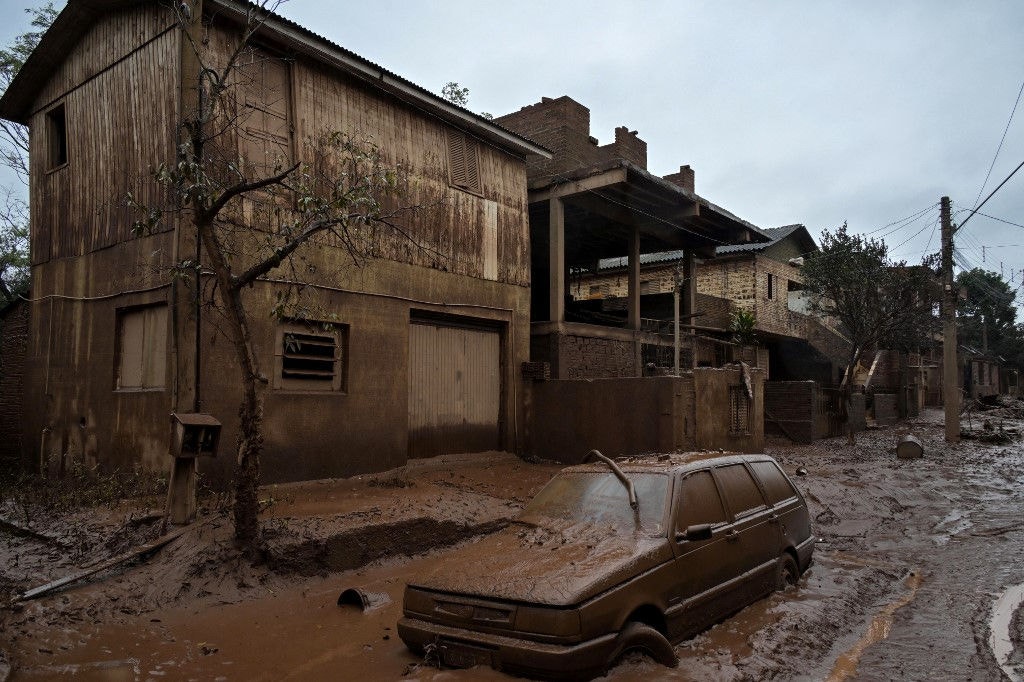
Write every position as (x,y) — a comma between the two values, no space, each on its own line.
(461,648)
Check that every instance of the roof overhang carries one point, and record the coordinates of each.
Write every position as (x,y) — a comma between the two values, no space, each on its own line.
(79,15)
(612,198)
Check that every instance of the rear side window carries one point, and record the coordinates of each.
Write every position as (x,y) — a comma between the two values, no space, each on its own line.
(740,491)
(776,486)
(699,502)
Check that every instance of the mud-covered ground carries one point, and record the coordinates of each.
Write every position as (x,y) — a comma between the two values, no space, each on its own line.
(918,575)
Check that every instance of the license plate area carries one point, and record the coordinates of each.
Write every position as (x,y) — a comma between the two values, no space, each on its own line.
(459,655)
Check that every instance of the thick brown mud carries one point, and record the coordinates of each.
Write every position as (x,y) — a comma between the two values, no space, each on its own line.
(914,578)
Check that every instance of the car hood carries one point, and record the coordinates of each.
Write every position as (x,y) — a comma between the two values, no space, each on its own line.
(553,565)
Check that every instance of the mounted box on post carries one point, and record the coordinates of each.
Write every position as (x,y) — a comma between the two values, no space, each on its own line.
(193,435)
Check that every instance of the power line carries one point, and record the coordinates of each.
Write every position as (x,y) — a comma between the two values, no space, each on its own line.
(991,194)
(1000,147)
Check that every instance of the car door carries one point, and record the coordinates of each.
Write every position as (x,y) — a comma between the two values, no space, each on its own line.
(790,510)
(753,534)
(701,566)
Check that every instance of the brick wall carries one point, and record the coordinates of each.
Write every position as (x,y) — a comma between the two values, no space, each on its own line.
(563,126)
(731,279)
(13,349)
(581,357)
(684,178)
(885,371)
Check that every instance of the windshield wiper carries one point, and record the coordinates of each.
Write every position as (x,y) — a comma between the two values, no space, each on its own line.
(595,454)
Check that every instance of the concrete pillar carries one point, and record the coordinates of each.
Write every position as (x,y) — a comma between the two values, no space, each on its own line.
(689,292)
(556,260)
(634,280)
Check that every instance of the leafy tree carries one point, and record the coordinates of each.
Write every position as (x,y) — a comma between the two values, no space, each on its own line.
(455,94)
(13,136)
(743,325)
(14,257)
(252,215)
(987,315)
(877,303)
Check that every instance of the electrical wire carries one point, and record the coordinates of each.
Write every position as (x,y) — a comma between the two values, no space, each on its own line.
(1000,147)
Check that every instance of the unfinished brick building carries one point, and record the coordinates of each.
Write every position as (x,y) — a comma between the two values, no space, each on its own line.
(591,202)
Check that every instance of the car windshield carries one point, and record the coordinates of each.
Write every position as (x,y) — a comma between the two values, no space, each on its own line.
(601,498)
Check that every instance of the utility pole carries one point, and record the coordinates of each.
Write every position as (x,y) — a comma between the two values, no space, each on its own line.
(950,385)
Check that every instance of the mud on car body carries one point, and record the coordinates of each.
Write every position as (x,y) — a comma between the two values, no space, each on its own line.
(612,557)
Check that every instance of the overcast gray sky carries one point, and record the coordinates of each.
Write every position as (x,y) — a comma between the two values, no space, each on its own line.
(810,112)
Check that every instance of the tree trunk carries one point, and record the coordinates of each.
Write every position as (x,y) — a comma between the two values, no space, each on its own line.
(247,470)
(250,412)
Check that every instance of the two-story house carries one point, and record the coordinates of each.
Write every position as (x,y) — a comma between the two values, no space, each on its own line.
(418,348)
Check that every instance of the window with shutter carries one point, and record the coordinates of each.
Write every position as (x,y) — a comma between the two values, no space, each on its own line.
(141,348)
(310,359)
(463,162)
(739,411)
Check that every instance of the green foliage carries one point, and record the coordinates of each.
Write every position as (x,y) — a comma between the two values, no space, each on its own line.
(14,256)
(14,137)
(454,94)
(986,308)
(877,302)
(743,325)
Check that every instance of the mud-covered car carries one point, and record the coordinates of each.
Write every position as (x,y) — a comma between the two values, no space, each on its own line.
(612,557)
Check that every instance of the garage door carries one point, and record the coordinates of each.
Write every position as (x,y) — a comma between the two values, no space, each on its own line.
(454,389)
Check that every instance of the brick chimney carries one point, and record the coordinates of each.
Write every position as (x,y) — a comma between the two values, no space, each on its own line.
(630,147)
(684,178)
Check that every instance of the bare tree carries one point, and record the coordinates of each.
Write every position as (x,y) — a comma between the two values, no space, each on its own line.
(253,210)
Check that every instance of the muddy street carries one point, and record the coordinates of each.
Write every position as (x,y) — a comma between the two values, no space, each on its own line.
(918,575)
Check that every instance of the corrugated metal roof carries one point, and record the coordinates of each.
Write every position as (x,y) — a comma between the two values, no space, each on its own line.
(776,235)
(79,15)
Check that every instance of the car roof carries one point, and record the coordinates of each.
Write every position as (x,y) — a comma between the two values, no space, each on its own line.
(676,462)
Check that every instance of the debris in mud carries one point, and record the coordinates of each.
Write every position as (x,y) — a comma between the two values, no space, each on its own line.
(992,436)
(366,601)
(909,447)
(393,482)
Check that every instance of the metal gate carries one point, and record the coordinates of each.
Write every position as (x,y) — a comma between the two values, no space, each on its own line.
(454,389)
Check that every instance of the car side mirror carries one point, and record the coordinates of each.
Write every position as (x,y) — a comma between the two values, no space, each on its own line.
(701,531)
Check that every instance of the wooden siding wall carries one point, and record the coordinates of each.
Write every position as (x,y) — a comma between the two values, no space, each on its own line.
(119,89)
(449,231)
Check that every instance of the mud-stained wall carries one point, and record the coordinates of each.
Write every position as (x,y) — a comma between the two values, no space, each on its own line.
(715,427)
(463,254)
(791,407)
(364,426)
(74,411)
(650,414)
(616,416)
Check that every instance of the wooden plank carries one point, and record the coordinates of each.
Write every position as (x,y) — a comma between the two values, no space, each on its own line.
(150,547)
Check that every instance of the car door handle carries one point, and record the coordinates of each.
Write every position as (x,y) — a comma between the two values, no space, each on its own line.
(774,518)
(732,536)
